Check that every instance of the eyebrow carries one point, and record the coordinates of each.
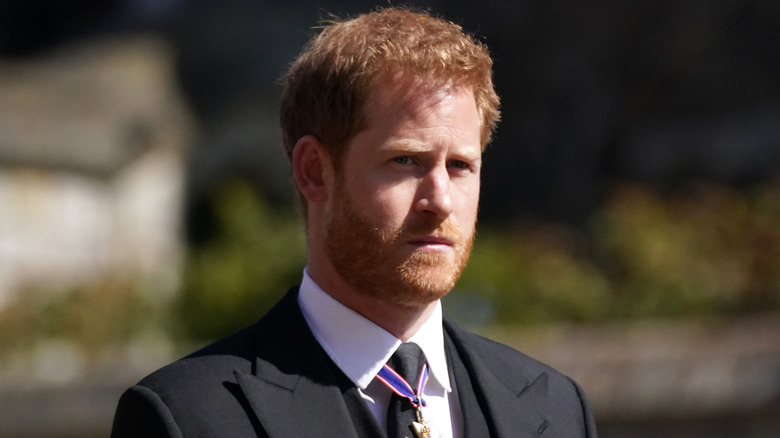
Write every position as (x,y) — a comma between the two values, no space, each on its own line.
(405,145)
(414,146)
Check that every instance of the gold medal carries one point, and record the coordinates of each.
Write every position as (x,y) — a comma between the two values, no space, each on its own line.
(421,429)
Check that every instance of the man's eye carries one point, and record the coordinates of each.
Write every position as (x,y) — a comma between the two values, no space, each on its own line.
(458,164)
(403,160)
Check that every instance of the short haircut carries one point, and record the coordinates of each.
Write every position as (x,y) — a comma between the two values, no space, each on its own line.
(326,88)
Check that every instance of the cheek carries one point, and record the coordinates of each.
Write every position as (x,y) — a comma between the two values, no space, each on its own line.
(468,206)
(383,206)
(394,206)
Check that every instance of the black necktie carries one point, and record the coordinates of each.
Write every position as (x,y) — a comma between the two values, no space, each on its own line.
(407,361)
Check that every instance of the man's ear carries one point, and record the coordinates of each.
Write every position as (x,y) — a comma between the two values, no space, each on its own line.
(312,168)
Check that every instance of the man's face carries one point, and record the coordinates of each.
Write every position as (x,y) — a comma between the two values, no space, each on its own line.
(401,220)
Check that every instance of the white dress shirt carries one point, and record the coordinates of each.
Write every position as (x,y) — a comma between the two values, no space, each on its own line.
(360,349)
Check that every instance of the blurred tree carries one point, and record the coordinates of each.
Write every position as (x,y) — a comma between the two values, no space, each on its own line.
(256,254)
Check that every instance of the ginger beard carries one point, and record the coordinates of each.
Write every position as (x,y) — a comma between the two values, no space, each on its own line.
(379,261)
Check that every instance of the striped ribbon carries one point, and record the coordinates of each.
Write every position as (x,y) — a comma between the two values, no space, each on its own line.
(400,386)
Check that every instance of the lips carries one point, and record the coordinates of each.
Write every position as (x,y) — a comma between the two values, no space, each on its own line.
(433,241)
(432,235)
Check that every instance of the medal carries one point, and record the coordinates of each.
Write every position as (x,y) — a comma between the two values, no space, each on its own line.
(420,428)
(400,386)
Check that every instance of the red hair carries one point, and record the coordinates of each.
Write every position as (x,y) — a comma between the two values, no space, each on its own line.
(326,88)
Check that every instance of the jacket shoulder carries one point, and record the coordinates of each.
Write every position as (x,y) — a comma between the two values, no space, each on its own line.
(217,361)
(495,354)
(567,405)
(213,363)
(194,396)
(200,394)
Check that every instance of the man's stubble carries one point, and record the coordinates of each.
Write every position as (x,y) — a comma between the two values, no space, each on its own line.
(378,260)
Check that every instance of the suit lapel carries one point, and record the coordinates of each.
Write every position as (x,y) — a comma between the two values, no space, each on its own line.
(292,389)
(514,404)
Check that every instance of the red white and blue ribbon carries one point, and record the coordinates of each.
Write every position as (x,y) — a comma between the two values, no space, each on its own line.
(400,386)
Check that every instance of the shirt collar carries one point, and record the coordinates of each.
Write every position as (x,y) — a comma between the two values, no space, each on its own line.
(358,346)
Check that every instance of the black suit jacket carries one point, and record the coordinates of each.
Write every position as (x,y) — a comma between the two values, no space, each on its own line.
(273,379)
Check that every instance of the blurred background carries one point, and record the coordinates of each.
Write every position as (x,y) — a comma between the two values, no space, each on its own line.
(629,228)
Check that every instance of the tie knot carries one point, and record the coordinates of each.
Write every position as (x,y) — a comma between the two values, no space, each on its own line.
(407,361)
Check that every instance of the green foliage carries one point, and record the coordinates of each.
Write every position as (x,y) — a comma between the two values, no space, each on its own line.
(110,311)
(706,251)
(709,250)
(535,274)
(234,279)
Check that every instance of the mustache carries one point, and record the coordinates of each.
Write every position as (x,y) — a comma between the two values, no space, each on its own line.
(446,229)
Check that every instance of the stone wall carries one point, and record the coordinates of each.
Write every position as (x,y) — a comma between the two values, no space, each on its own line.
(92,141)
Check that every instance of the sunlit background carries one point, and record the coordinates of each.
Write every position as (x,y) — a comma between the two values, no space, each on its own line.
(629,231)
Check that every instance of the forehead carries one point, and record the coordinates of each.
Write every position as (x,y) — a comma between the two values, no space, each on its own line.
(406,97)
(416,118)
(411,85)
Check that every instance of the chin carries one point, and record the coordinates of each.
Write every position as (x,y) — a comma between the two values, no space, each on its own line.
(423,285)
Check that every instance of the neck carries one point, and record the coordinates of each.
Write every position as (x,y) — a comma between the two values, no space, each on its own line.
(400,321)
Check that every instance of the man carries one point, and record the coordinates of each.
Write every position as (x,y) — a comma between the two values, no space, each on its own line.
(385,118)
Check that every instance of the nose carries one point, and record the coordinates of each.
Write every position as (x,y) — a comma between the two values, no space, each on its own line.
(434,194)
